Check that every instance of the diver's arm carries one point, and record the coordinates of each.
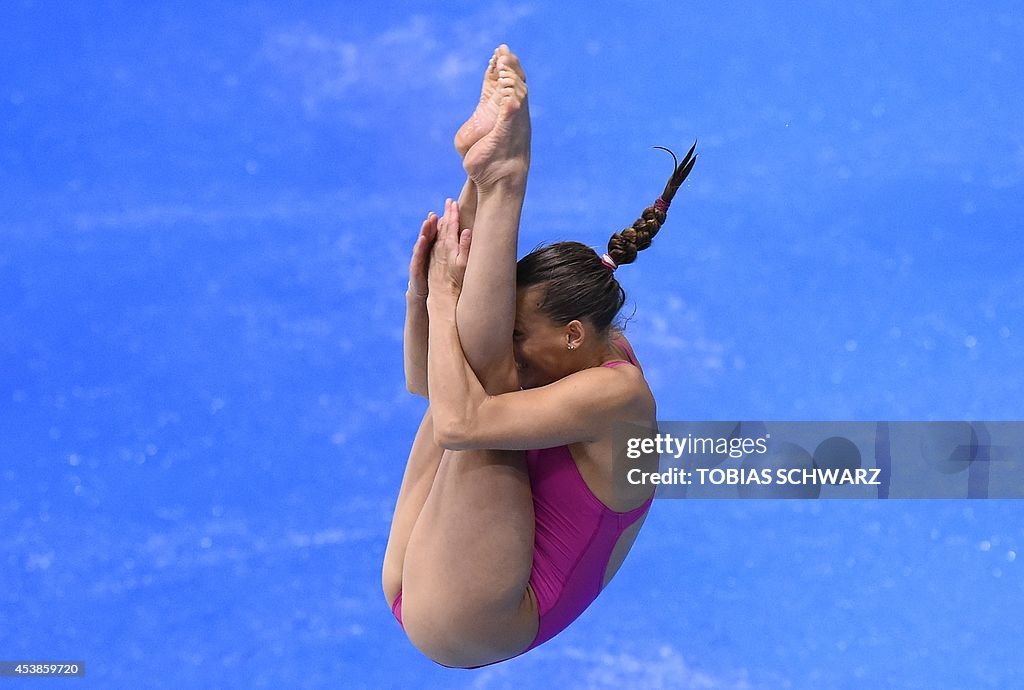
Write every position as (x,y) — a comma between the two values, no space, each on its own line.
(415,343)
(579,407)
(415,336)
(454,389)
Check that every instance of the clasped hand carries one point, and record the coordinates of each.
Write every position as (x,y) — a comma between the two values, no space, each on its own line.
(450,253)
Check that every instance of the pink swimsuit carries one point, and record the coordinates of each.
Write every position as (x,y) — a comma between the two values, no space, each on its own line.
(574,538)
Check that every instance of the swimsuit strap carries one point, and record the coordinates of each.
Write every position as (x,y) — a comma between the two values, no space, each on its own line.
(624,344)
(628,518)
(630,355)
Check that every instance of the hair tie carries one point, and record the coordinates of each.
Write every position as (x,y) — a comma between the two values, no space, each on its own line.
(609,262)
(661,205)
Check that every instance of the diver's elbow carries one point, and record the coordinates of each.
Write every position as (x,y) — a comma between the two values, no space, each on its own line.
(451,434)
(417,389)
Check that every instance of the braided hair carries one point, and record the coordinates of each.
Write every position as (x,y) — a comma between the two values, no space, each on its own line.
(577,282)
(623,246)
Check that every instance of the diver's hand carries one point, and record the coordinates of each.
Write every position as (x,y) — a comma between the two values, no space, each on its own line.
(421,258)
(450,253)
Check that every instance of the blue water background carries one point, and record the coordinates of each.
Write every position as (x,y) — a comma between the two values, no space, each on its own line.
(206,212)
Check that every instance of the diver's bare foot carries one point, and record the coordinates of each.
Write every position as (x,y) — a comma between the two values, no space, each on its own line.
(486,113)
(504,151)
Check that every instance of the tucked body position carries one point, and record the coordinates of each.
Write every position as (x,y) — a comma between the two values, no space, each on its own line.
(508,522)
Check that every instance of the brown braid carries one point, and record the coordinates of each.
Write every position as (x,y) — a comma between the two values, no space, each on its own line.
(623,246)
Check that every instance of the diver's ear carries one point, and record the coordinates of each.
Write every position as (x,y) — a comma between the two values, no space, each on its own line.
(575,334)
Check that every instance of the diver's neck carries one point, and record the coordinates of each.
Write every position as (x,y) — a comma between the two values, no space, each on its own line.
(602,351)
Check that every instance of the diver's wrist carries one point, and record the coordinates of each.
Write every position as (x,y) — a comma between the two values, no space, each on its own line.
(442,298)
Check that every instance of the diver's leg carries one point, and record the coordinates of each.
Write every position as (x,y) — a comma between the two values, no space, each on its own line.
(497,164)
(465,597)
(420,468)
(497,374)
(473,129)
(486,114)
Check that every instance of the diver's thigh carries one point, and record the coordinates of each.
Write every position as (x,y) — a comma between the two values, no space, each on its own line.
(470,553)
(420,470)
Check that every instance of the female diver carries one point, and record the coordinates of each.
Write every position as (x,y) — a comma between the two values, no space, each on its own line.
(508,523)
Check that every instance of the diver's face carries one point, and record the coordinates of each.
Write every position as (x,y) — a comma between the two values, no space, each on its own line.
(539,345)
